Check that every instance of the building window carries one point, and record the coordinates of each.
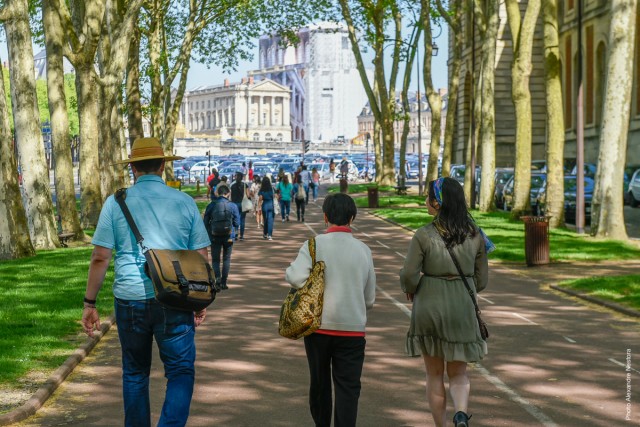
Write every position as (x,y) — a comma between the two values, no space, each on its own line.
(267,137)
(345,43)
(256,136)
(279,137)
(209,103)
(568,84)
(589,86)
(570,4)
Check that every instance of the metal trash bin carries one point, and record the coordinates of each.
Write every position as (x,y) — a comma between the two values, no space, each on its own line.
(536,240)
(372,196)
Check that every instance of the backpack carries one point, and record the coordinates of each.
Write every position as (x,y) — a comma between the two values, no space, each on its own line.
(221,220)
(300,194)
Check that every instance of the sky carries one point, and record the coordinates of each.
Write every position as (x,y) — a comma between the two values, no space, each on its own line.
(200,75)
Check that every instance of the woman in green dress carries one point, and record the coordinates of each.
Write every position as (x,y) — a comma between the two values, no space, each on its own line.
(443,328)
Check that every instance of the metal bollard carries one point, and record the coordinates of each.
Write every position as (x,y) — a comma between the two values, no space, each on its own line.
(372,196)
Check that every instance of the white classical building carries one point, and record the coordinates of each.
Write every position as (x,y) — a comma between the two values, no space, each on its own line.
(327,93)
(249,110)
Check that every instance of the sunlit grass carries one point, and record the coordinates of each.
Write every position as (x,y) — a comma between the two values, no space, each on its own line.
(41,308)
(508,236)
(623,290)
(359,188)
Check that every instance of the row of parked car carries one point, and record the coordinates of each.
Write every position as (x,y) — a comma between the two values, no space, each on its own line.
(504,181)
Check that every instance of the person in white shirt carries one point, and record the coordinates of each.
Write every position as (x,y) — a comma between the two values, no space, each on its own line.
(336,350)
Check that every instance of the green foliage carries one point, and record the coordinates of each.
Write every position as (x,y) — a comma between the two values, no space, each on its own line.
(624,290)
(72,103)
(41,308)
(43,101)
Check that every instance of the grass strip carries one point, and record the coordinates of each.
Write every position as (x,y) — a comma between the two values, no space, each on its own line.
(41,309)
(623,290)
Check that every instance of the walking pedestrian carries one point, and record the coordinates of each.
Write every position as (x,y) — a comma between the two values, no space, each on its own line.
(306,182)
(222,220)
(167,219)
(443,327)
(299,195)
(332,171)
(257,208)
(266,199)
(315,183)
(250,172)
(285,190)
(238,190)
(212,182)
(344,168)
(335,352)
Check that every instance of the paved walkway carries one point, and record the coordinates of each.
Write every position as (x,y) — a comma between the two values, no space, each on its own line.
(552,361)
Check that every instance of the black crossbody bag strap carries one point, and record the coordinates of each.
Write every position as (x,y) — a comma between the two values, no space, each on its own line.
(120,196)
(462,276)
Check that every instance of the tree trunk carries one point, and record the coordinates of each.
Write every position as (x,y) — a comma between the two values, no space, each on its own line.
(522,37)
(555,117)
(134,104)
(377,149)
(65,190)
(37,195)
(454,81)
(14,232)
(90,194)
(487,124)
(607,207)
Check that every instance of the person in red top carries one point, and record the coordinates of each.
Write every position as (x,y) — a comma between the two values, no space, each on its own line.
(210,185)
(250,173)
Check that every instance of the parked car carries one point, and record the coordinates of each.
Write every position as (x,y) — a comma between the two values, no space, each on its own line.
(502,176)
(632,195)
(570,185)
(538,183)
(202,169)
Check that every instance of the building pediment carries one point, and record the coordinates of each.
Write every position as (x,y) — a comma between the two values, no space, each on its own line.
(268,86)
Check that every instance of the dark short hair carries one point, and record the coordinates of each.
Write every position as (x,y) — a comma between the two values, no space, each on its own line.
(222,190)
(339,208)
(148,166)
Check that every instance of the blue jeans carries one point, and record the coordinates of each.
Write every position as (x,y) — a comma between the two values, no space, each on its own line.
(285,208)
(243,219)
(224,245)
(267,217)
(314,187)
(138,322)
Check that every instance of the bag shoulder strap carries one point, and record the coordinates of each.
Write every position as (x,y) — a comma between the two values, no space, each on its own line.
(312,250)
(120,197)
(462,276)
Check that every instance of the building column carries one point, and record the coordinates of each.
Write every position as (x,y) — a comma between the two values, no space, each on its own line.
(272,112)
(260,107)
(286,112)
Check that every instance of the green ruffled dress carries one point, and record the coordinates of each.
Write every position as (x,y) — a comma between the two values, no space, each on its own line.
(443,321)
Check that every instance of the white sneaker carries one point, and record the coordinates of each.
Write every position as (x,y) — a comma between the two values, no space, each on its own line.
(269,238)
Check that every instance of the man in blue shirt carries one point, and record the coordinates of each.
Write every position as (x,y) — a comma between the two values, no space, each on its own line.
(168,219)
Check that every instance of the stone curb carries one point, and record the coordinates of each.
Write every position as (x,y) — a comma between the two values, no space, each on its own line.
(604,303)
(36,401)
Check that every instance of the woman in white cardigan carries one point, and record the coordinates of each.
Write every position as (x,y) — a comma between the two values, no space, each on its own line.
(337,348)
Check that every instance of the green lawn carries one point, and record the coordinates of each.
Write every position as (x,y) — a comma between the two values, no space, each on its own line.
(624,290)
(41,308)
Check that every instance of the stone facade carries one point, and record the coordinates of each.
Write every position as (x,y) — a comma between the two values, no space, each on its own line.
(249,110)
(366,123)
(596,19)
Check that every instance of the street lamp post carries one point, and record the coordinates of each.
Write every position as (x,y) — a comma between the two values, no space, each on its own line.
(366,174)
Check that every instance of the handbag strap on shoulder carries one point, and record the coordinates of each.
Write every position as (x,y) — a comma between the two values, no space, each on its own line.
(120,197)
(312,250)
(462,276)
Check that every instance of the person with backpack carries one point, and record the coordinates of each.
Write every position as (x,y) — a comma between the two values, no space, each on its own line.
(238,191)
(267,197)
(299,196)
(222,220)
(306,181)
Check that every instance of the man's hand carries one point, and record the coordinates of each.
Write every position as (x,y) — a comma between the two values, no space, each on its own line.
(90,318)
(198,316)
(409,297)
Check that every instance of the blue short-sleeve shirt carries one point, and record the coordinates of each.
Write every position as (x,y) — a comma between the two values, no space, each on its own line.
(166,218)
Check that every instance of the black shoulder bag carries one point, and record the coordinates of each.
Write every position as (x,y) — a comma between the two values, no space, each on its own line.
(484,331)
(182,279)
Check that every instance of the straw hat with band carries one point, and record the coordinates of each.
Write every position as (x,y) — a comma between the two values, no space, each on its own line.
(147,149)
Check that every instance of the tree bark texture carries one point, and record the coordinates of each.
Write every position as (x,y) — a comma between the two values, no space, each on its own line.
(26,119)
(607,206)
(90,193)
(134,104)
(555,116)
(64,180)
(454,20)
(487,122)
(522,32)
(14,232)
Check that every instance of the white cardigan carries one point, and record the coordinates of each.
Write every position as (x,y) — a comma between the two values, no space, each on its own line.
(350,279)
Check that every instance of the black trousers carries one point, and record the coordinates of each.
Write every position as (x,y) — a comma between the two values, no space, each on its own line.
(339,359)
